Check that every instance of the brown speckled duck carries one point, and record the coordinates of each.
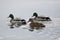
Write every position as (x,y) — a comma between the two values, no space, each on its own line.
(35,24)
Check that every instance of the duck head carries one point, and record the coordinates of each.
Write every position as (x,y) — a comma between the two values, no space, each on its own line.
(30,20)
(35,14)
(11,16)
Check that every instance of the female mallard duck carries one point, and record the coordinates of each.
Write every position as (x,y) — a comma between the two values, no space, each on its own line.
(17,21)
(40,18)
(35,24)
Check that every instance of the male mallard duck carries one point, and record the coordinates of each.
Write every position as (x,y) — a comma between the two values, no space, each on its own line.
(35,24)
(16,21)
(40,18)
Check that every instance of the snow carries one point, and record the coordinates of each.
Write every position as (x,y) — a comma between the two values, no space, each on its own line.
(50,32)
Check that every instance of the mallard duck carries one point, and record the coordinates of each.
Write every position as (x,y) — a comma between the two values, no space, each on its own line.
(16,21)
(40,18)
(35,24)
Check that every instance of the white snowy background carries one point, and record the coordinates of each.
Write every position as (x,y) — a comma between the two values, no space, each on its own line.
(25,9)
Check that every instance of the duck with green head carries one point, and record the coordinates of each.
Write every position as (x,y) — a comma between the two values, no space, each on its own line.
(16,21)
(40,18)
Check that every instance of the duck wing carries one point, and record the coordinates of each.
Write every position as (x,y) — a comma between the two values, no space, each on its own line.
(41,17)
(17,19)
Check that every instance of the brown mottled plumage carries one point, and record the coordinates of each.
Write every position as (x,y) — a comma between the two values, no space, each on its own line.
(35,24)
